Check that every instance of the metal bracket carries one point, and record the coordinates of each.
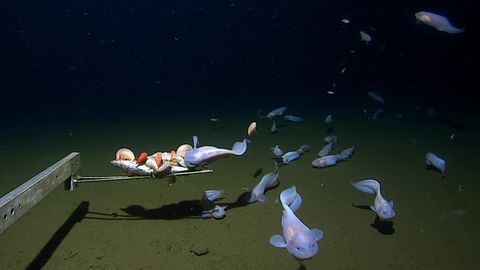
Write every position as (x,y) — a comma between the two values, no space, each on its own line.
(20,200)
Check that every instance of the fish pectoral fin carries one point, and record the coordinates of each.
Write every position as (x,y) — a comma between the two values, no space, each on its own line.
(317,234)
(261,198)
(391,204)
(278,241)
(373,208)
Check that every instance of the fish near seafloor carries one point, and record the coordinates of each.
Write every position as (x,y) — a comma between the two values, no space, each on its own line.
(326,161)
(439,22)
(326,150)
(290,156)
(298,239)
(269,180)
(277,151)
(209,208)
(276,112)
(382,207)
(345,154)
(292,118)
(204,155)
(438,163)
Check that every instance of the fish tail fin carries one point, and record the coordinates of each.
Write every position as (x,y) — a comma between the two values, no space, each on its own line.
(239,148)
(213,195)
(195,142)
(369,186)
(291,199)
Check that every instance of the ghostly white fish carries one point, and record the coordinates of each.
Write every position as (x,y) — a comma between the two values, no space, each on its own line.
(324,162)
(365,37)
(202,156)
(439,22)
(345,154)
(382,207)
(292,118)
(326,150)
(276,112)
(328,119)
(299,240)
(277,151)
(209,208)
(290,156)
(376,97)
(269,180)
(436,162)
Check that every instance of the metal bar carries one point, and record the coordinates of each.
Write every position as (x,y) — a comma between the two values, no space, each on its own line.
(192,172)
(96,179)
(20,200)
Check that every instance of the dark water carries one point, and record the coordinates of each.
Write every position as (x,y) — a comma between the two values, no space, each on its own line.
(93,76)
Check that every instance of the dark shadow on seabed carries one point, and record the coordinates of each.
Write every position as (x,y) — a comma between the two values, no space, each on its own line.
(44,255)
(188,209)
(383,227)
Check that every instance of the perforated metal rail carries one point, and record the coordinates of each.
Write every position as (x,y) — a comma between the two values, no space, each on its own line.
(20,200)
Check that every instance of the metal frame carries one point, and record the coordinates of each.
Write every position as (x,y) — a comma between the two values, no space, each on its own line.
(20,200)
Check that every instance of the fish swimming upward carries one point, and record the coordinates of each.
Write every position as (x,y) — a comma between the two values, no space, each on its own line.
(382,207)
(298,239)
(269,180)
(439,22)
(202,156)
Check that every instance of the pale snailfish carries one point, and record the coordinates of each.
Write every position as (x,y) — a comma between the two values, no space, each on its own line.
(384,209)
(298,239)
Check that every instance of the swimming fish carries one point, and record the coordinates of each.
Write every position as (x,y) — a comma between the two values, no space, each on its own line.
(290,156)
(365,37)
(277,151)
(326,161)
(345,154)
(209,208)
(292,118)
(304,148)
(376,97)
(298,239)
(276,112)
(202,156)
(436,162)
(439,22)
(380,206)
(326,150)
(328,119)
(269,180)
